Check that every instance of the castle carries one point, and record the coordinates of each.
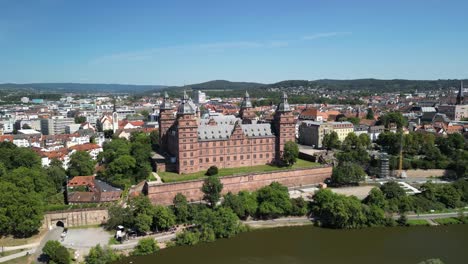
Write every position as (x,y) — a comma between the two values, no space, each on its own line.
(196,144)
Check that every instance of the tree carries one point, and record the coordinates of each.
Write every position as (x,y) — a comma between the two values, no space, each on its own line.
(143,212)
(57,175)
(243,204)
(56,253)
(181,208)
(392,190)
(212,188)
(347,174)
(119,215)
(100,255)
(163,218)
(223,222)
(393,117)
(298,206)
(212,170)
(187,238)
(365,141)
(80,119)
(273,201)
(154,139)
(370,114)
(145,246)
(81,164)
(290,153)
(145,114)
(376,198)
(331,141)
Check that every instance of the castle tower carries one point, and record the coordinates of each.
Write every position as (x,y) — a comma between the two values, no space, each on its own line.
(187,136)
(166,120)
(115,119)
(246,113)
(460,96)
(284,125)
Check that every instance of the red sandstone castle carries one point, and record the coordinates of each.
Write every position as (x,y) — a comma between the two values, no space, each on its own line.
(195,144)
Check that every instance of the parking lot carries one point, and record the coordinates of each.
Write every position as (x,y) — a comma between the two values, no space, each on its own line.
(82,239)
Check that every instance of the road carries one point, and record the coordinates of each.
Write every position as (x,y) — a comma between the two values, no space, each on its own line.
(432,216)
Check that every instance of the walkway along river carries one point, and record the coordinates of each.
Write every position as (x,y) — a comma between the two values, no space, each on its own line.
(308,244)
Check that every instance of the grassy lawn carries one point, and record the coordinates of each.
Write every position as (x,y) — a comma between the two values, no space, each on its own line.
(447,221)
(174,177)
(20,260)
(10,241)
(417,222)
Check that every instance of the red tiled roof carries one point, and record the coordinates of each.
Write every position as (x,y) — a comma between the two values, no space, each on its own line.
(85,147)
(82,181)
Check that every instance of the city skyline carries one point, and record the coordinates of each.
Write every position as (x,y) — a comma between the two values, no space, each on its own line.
(182,42)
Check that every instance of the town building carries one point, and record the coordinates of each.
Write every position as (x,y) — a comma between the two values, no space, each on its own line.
(55,125)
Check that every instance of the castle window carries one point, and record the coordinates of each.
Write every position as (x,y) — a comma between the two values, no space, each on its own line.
(248,156)
(214,159)
(228,158)
(268,155)
(261,156)
(221,158)
(235,157)
(207,159)
(191,162)
(185,155)
(241,157)
(191,154)
(185,163)
(255,156)
(200,160)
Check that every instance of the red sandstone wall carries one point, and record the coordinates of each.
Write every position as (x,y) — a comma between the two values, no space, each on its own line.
(164,194)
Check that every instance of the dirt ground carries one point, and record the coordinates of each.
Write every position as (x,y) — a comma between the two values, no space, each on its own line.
(424,173)
(359,191)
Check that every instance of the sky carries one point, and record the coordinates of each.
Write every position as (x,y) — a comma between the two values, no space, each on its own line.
(176,42)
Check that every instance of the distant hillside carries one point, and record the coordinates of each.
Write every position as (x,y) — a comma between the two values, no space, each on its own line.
(78,88)
(371,85)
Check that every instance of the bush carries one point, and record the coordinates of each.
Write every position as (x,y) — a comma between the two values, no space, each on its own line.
(56,253)
(213,170)
(188,238)
(145,246)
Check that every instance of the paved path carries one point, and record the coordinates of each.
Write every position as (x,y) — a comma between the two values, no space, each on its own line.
(32,245)
(17,255)
(279,221)
(132,243)
(158,179)
(53,234)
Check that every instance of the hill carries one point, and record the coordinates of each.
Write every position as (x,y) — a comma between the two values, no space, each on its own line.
(77,88)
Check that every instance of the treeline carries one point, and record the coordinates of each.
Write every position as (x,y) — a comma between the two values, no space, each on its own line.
(373,85)
(426,151)
(127,162)
(338,211)
(25,190)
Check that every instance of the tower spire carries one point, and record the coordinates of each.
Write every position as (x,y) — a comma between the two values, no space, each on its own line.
(460,96)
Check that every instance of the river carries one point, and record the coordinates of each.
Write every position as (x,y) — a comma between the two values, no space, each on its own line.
(308,244)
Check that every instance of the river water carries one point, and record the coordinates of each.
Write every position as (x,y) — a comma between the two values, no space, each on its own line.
(308,244)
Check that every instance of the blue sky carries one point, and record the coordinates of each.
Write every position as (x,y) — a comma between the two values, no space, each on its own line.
(175,42)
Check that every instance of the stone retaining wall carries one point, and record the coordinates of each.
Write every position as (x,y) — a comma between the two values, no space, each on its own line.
(164,193)
(78,217)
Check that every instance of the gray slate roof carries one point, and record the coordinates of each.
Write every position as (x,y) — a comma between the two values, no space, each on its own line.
(223,131)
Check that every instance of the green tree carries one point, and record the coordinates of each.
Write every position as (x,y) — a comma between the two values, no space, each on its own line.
(273,201)
(56,253)
(80,119)
(392,190)
(365,141)
(145,114)
(243,204)
(163,218)
(376,198)
(181,208)
(187,238)
(57,175)
(370,114)
(212,170)
(223,222)
(290,153)
(347,174)
(100,255)
(81,164)
(119,215)
(212,188)
(298,206)
(393,117)
(154,139)
(145,246)
(331,141)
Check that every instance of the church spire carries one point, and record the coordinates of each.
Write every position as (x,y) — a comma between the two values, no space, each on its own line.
(283,106)
(460,95)
(246,103)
